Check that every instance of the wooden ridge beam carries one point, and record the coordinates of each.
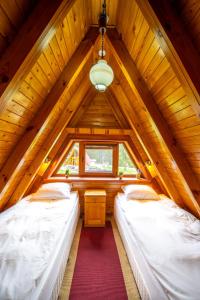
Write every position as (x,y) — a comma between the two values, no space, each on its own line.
(176,44)
(19,58)
(50,141)
(125,104)
(158,122)
(40,121)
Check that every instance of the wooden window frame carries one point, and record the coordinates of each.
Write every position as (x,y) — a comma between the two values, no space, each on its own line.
(82,172)
(82,147)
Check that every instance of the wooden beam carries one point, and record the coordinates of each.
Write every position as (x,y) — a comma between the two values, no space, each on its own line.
(176,44)
(79,114)
(116,110)
(50,141)
(29,43)
(98,131)
(58,157)
(125,104)
(67,78)
(158,122)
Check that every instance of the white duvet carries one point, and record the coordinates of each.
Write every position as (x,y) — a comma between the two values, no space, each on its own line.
(169,239)
(28,235)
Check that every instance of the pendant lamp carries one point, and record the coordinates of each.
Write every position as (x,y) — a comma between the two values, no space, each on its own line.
(101,74)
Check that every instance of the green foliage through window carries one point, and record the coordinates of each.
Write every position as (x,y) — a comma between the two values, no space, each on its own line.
(126,165)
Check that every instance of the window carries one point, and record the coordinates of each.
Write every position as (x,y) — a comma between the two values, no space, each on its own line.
(98,159)
(71,162)
(106,159)
(126,165)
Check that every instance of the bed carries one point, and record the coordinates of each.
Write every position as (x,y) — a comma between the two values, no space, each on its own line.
(162,242)
(35,239)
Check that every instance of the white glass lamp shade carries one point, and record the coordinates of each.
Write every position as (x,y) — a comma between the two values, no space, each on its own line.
(101,75)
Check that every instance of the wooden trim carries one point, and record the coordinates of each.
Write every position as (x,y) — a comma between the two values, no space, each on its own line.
(142,93)
(29,43)
(67,78)
(176,45)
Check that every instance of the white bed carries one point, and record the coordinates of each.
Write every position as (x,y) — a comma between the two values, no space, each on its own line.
(162,243)
(35,240)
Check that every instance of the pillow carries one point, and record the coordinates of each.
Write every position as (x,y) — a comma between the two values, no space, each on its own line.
(58,186)
(127,189)
(142,195)
(41,195)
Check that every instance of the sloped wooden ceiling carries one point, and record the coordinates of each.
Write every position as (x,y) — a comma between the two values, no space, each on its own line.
(155,89)
(99,110)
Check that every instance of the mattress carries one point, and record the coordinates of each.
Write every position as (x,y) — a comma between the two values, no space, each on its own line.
(165,241)
(148,286)
(47,282)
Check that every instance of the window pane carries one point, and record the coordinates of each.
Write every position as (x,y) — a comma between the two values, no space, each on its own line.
(98,159)
(71,162)
(126,165)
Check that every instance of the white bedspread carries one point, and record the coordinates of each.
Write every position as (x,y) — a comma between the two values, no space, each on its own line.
(169,238)
(28,234)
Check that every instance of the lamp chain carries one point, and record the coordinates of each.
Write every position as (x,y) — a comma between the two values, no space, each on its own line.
(102,44)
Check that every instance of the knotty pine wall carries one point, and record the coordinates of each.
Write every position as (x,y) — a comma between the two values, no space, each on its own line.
(36,85)
(165,87)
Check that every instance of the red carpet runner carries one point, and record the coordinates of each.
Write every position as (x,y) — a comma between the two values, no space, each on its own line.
(97,274)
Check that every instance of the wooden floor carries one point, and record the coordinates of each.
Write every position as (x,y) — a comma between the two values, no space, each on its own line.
(130,284)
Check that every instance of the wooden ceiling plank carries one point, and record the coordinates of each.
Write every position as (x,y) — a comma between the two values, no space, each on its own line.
(66,79)
(46,147)
(142,137)
(176,44)
(83,108)
(116,110)
(29,43)
(142,93)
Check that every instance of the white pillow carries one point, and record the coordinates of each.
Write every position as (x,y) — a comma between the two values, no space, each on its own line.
(127,189)
(142,195)
(58,186)
(41,195)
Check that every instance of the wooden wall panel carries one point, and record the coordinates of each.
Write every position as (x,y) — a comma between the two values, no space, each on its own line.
(163,84)
(35,86)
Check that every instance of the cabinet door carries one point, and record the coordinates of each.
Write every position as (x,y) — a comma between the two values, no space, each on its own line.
(94,214)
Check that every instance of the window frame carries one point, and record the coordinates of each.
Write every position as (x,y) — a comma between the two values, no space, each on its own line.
(82,148)
(82,173)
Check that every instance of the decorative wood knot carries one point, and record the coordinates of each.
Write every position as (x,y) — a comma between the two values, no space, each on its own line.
(174,142)
(157,163)
(4,78)
(29,128)
(64,83)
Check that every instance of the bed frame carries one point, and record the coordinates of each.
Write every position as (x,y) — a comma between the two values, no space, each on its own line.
(149,288)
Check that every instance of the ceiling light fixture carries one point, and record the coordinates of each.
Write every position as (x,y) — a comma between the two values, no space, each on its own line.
(101,74)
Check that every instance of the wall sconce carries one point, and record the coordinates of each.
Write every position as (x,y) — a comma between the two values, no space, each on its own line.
(151,168)
(47,160)
(148,163)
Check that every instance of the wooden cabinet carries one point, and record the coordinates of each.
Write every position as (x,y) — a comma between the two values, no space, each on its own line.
(94,208)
